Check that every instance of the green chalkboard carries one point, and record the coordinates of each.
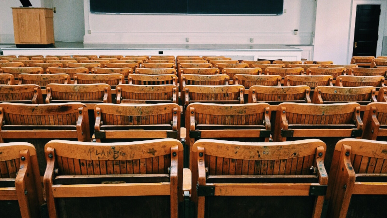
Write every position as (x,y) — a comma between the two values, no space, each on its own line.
(253,7)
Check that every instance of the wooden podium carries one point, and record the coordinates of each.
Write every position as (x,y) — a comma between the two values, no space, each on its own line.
(33,27)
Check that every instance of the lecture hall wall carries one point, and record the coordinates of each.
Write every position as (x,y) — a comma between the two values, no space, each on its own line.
(324,27)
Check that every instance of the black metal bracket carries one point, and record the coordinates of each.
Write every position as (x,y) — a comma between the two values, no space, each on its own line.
(205,190)
(357,133)
(287,133)
(318,190)
(100,135)
(195,134)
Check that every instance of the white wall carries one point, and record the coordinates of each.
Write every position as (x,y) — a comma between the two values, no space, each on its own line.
(168,29)
(6,20)
(69,24)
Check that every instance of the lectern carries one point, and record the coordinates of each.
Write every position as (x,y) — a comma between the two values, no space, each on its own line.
(33,27)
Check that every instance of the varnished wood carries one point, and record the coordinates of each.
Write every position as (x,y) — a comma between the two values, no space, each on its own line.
(362,61)
(129,93)
(227,94)
(113,79)
(43,79)
(86,93)
(375,120)
(368,71)
(250,80)
(282,71)
(335,72)
(331,94)
(16,71)
(231,72)
(310,80)
(7,79)
(155,71)
(69,71)
(145,79)
(355,81)
(277,94)
(27,93)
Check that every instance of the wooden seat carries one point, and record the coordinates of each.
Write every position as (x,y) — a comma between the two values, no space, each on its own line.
(247,80)
(44,58)
(227,94)
(21,94)
(311,81)
(64,62)
(202,71)
(357,179)
(112,56)
(190,61)
(250,63)
(362,61)
(355,81)
(319,62)
(180,66)
(46,65)
(11,64)
(39,123)
(16,71)
(123,71)
(382,95)
(162,57)
(144,79)
(209,58)
(7,79)
(197,79)
(89,66)
(29,63)
(136,121)
(111,79)
(21,190)
(334,94)
(236,179)
(124,175)
(102,63)
(158,65)
(231,72)
(335,72)
(147,94)
(78,59)
(278,94)
(368,72)
(69,71)
(30,56)
(222,61)
(375,123)
(155,71)
(43,79)
(305,66)
(7,56)
(329,123)
(222,66)
(287,63)
(160,61)
(60,57)
(284,71)
(4,61)
(124,61)
(346,66)
(379,62)
(264,66)
(135,57)
(86,56)
(188,57)
(133,66)
(85,93)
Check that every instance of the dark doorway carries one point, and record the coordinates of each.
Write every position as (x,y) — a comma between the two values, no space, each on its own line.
(366,30)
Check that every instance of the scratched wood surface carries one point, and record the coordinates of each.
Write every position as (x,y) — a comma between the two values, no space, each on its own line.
(363,61)
(250,63)
(335,71)
(155,71)
(231,72)
(145,79)
(368,71)
(89,66)
(319,62)
(330,94)
(222,94)
(27,63)
(69,71)
(64,62)
(11,64)
(98,92)
(310,80)
(250,80)
(197,79)
(287,63)
(124,71)
(379,62)
(27,93)
(158,65)
(282,71)
(43,80)
(7,79)
(305,66)
(264,66)
(223,61)
(16,71)
(355,81)
(277,94)
(143,93)
(222,66)
(202,71)
(115,64)
(110,79)
(160,61)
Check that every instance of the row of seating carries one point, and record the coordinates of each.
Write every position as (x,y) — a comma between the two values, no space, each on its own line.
(234,179)
(370,61)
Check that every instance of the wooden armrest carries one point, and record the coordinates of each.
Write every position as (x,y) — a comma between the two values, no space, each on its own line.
(321,171)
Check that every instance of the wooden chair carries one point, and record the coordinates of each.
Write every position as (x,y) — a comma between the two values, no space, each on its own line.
(379,62)
(216,62)
(278,94)
(190,61)
(162,57)
(43,80)
(362,61)
(136,121)
(329,123)
(180,66)
(348,67)
(29,63)
(356,81)
(85,93)
(124,175)
(188,57)
(112,56)
(133,66)
(30,56)
(7,79)
(89,66)
(382,95)
(311,81)
(236,179)
(21,94)
(4,61)
(69,71)
(264,66)
(21,190)
(60,57)
(202,71)
(147,94)
(7,56)
(158,65)
(46,65)
(287,63)
(64,62)
(231,72)
(319,62)
(335,72)
(144,79)
(209,58)
(357,179)
(102,63)
(334,94)
(375,122)
(78,59)
(250,63)
(247,80)
(227,94)
(368,72)
(305,66)
(136,57)
(160,61)
(195,79)
(124,61)
(222,66)
(123,71)
(90,57)
(16,71)
(111,79)
(45,59)
(155,71)
(11,64)
(39,123)
(281,71)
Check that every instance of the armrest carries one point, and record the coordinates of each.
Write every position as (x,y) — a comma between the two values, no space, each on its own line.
(97,125)
(48,97)
(183,82)
(35,98)
(121,80)
(383,82)
(201,167)
(186,97)
(236,81)
(80,133)
(321,171)
(174,95)
(373,95)
(359,122)
(118,97)
(267,118)
(340,82)
(241,96)
(130,80)
(175,81)
(1,121)
(105,96)
(22,178)
(284,122)
(75,79)
(192,119)
(373,129)
(175,119)
(319,99)
(330,82)
(307,96)
(226,81)
(253,97)
(48,180)
(20,81)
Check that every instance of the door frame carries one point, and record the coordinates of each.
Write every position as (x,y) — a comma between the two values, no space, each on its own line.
(382,24)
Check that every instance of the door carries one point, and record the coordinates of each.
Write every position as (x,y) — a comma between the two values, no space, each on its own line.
(366,30)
